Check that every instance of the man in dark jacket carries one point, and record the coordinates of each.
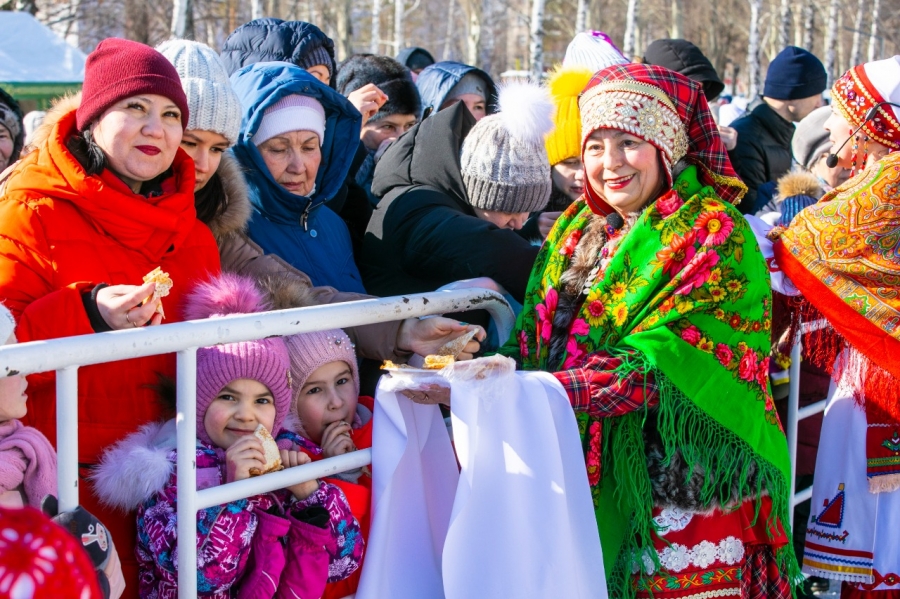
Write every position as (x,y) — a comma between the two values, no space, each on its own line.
(794,85)
(444,216)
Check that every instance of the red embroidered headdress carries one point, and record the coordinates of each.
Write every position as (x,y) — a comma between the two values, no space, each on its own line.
(666,109)
(864,86)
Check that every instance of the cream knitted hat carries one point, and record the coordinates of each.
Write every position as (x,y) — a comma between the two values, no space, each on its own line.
(504,163)
(212,104)
(593,50)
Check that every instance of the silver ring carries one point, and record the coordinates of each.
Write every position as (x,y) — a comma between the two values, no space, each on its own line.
(134,324)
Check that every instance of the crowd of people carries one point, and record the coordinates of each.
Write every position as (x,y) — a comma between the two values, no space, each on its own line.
(660,265)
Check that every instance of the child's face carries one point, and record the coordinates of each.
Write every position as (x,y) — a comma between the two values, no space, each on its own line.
(327,396)
(12,393)
(237,410)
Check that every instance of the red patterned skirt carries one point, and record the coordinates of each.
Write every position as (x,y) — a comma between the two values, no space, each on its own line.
(717,554)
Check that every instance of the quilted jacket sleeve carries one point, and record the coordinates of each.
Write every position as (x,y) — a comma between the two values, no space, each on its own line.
(224,535)
(346,544)
(26,279)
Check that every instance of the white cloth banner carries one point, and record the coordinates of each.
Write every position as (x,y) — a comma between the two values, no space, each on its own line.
(522,522)
(414,477)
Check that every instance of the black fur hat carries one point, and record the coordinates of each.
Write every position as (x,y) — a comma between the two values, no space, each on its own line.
(390,76)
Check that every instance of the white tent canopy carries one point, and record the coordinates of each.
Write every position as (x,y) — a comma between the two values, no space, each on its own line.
(31,53)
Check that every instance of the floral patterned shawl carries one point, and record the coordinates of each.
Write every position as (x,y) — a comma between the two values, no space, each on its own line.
(843,254)
(687,293)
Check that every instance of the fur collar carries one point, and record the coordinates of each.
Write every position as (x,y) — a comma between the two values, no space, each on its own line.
(137,467)
(236,214)
(798,183)
(571,283)
(60,108)
(285,292)
(234,218)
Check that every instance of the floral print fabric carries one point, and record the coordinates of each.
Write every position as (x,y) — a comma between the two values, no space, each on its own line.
(685,294)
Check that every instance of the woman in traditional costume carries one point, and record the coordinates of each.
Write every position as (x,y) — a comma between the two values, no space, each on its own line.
(842,255)
(650,302)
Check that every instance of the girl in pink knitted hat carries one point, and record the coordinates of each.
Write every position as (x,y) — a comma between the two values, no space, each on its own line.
(268,545)
(329,418)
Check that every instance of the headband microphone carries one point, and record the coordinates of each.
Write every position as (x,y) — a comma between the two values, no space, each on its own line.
(832,159)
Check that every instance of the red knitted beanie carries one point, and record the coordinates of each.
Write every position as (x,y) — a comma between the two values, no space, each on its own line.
(119,69)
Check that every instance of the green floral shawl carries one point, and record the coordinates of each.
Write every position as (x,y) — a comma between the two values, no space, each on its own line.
(686,297)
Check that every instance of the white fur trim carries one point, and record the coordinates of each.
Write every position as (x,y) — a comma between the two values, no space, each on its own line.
(526,111)
(137,467)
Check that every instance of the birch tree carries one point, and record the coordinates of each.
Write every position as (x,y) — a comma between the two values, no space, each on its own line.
(448,36)
(677,31)
(256,9)
(486,37)
(630,29)
(753,50)
(784,29)
(809,25)
(581,15)
(376,27)
(830,38)
(344,38)
(873,35)
(857,31)
(183,19)
(399,10)
(536,47)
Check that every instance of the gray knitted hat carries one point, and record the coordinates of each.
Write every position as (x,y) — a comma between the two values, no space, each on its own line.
(212,103)
(504,163)
(811,139)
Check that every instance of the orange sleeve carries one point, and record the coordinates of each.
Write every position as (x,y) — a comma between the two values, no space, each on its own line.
(27,279)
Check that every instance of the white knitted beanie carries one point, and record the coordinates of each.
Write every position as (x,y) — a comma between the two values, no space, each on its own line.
(594,50)
(504,163)
(291,113)
(212,103)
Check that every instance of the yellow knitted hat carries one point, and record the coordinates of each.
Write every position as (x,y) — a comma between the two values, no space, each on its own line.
(566,83)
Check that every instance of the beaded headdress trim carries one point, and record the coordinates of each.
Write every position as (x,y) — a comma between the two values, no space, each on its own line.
(853,96)
(638,108)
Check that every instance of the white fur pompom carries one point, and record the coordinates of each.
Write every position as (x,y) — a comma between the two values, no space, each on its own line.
(526,111)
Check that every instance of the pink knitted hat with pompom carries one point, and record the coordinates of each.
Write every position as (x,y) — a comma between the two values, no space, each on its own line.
(265,360)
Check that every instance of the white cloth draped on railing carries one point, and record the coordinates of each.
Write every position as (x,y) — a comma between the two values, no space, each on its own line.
(518,520)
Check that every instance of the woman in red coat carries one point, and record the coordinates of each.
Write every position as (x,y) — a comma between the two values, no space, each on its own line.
(106,197)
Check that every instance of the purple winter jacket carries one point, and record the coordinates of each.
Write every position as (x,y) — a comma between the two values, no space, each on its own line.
(253,548)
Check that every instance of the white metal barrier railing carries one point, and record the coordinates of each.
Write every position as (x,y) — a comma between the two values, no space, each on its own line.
(67,354)
(795,413)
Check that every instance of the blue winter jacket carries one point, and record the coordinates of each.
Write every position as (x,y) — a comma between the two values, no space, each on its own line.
(436,81)
(301,230)
(266,40)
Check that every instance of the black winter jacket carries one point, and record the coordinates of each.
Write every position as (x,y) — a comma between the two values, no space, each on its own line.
(424,234)
(763,151)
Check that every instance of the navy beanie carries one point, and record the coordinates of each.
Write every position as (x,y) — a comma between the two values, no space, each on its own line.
(795,74)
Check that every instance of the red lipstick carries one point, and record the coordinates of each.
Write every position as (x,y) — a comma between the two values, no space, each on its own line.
(149,150)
